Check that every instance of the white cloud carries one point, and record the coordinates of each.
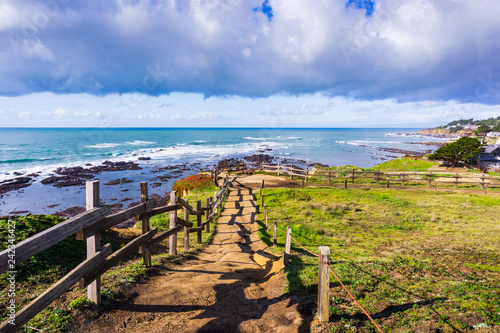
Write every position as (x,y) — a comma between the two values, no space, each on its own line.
(409,50)
(60,112)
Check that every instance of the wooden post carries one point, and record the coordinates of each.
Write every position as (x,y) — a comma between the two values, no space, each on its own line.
(173,223)
(278,169)
(482,181)
(266,216)
(93,242)
(207,214)
(430,178)
(288,245)
(306,177)
(353,176)
(403,179)
(186,229)
(486,188)
(345,183)
(323,284)
(275,234)
(261,187)
(456,180)
(329,176)
(436,184)
(198,222)
(146,253)
(388,183)
(302,183)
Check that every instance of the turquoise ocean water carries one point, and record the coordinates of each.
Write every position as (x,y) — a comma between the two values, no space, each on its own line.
(43,150)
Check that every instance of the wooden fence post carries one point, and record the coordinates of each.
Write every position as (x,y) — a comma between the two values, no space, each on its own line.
(456,180)
(345,183)
(186,228)
(403,179)
(486,188)
(306,177)
(278,169)
(93,242)
(323,284)
(146,252)
(430,178)
(275,234)
(173,223)
(266,217)
(329,176)
(207,214)
(198,222)
(302,183)
(388,183)
(288,245)
(353,176)
(261,187)
(436,184)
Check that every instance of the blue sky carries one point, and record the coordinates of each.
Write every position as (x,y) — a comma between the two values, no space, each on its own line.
(277,63)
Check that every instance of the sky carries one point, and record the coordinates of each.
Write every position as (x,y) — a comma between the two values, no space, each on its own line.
(246,63)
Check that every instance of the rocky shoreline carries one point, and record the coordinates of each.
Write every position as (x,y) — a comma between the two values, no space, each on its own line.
(158,177)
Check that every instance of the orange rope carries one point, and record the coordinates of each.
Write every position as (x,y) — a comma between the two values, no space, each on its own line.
(314,254)
(366,313)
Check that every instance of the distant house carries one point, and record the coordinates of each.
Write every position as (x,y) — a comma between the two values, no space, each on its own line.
(493,134)
(489,158)
(471,127)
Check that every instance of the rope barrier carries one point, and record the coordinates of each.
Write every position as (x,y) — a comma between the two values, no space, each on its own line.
(354,299)
(343,286)
(314,254)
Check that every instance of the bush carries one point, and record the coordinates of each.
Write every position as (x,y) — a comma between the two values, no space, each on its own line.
(192,183)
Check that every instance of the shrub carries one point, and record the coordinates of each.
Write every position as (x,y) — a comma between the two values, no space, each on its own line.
(192,183)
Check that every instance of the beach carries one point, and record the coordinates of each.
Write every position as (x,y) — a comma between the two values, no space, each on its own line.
(43,171)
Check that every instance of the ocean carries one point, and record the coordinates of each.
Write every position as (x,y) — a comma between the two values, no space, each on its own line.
(41,151)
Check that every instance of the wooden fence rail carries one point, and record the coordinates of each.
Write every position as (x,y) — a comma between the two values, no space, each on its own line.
(387,178)
(89,225)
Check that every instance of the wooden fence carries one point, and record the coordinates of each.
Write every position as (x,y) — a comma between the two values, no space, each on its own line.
(387,179)
(89,225)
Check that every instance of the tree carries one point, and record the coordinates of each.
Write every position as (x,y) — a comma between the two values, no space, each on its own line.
(461,150)
(482,130)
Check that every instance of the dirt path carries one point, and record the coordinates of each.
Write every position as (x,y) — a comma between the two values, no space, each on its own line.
(233,285)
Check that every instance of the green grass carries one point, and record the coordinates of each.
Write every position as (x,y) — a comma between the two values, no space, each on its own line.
(413,258)
(404,164)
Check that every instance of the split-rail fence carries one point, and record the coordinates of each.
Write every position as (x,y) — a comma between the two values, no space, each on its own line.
(387,179)
(89,225)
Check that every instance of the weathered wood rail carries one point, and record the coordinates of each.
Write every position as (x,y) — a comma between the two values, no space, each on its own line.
(89,225)
(346,177)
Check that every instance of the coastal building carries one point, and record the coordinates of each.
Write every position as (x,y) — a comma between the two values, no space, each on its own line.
(489,158)
(493,134)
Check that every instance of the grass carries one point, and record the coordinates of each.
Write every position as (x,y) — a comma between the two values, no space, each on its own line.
(412,258)
(404,164)
(38,273)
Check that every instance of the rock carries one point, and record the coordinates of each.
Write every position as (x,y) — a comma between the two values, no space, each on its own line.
(144,158)
(19,212)
(161,201)
(70,212)
(63,181)
(14,184)
(113,182)
(259,158)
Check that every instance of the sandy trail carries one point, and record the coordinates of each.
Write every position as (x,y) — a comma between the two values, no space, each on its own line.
(232,285)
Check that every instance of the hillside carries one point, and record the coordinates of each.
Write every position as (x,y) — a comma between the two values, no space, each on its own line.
(465,127)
